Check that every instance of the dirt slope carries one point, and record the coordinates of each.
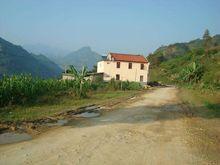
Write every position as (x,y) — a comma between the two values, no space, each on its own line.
(149,131)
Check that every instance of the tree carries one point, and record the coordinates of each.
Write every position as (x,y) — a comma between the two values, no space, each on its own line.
(207,39)
(81,86)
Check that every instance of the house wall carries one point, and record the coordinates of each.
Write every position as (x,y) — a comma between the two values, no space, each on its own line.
(110,70)
(67,77)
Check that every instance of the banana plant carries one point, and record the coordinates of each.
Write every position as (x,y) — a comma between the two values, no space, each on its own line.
(81,83)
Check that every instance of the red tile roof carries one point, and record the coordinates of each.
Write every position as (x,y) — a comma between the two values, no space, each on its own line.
(128,57)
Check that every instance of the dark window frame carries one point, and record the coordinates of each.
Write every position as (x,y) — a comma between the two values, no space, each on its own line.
(117,77)
(118,64)
(142,66)
(141,78)
(130,65)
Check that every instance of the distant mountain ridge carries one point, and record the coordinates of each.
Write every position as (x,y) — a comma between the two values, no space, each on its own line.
(178,49)
(84,56)
(48,51)
(16,60)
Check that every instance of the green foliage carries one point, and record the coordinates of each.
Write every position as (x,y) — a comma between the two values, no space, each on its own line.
(20,89)
(207,39)
(214,109)
(61,104)
(192,73)
(113,85)
(198,67)
(123,85)
(81,84)
(25,89)
(126,85)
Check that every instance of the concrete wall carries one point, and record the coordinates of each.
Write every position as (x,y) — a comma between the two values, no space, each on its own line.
(91,77)
(67,77)
(110,70)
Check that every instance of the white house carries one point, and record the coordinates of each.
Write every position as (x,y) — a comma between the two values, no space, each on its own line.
(124,67)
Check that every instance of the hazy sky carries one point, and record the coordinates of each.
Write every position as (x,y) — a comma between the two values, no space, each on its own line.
(128,26)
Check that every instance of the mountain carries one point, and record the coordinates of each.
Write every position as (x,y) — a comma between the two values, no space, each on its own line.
(82,57)
(51,52)
(188,63)
(165,53)
(50,65)
(16,60)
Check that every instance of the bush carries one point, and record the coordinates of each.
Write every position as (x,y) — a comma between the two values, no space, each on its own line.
(123,85)
(131,85)
(192,73)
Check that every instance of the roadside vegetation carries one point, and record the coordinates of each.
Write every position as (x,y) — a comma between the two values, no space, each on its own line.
(51,105)
(194,66)
(23,97)
(202,103)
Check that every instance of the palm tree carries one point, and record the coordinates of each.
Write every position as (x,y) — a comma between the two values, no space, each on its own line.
(81,83)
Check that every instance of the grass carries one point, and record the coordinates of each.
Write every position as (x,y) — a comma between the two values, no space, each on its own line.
(214,109)
(59,104)
(206,103)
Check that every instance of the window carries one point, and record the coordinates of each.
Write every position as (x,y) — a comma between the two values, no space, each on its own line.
(129,65)
(142,66)
(118,65)
(117,77)
(141,78)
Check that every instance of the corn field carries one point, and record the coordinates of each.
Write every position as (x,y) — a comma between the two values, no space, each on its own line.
(19,89)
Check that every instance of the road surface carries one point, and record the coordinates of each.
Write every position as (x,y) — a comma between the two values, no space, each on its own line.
(149,131)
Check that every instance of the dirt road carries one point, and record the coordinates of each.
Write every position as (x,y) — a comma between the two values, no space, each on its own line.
(148,131)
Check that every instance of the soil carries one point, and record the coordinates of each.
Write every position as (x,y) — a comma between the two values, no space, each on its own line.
(151,130)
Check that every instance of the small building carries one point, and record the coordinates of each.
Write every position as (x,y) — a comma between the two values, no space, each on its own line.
(67,76)
(90,76)
(124,67)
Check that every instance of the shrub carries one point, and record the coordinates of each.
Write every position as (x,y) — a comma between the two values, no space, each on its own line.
(192,73)
(131,85)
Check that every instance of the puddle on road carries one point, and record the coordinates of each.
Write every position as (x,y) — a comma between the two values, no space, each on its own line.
(91,118)
(57,123)
(12,137)
(88,114)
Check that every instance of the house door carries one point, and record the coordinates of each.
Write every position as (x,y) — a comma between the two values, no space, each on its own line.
(141,78)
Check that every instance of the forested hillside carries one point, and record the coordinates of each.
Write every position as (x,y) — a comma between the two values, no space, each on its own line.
(16,60)
(193,63)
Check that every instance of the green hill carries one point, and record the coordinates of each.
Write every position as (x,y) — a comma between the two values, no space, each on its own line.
(16,60)
(193,63)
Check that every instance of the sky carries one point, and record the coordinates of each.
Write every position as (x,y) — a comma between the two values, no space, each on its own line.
(125,26)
